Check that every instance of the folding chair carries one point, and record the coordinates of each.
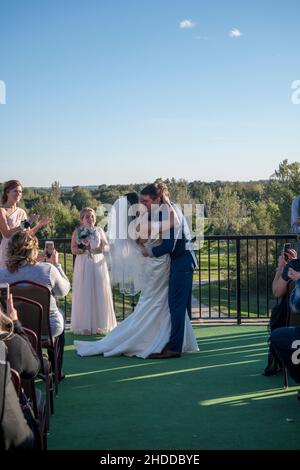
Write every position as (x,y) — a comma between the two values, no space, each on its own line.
(22,395)
(16,380)
(41,294)
(30,314)
(39,405)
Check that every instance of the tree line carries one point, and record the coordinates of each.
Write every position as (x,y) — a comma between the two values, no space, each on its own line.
(250,207)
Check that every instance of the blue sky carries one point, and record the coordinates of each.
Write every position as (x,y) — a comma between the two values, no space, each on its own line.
(115,91)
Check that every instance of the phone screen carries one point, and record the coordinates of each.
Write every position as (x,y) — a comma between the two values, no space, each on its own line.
(286,247)
(49,247)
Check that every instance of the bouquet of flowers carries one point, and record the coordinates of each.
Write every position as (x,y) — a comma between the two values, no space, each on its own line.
(26,223)
(88,239)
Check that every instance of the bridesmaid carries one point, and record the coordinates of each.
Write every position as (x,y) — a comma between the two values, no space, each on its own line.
(11,217)
(92,303)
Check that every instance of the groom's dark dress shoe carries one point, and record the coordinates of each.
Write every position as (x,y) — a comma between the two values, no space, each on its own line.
(165,354)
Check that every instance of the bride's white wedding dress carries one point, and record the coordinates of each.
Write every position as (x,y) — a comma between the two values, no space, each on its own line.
(147,329)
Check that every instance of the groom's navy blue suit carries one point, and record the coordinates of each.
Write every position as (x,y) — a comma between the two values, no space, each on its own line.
(180,283)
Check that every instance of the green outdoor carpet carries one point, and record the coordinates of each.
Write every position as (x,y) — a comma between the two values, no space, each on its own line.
(214,399)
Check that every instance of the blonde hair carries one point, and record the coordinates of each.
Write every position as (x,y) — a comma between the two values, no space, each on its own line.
(8,186)
(86,210)
(6,325)
(162,188)
(22,248)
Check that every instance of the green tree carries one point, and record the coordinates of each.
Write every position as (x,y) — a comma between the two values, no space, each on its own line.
(82,197)
(228,214)
(284,186)
(262,218)
(64,218)
(56,190)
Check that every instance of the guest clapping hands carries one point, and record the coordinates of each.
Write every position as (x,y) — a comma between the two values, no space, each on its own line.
(13,219)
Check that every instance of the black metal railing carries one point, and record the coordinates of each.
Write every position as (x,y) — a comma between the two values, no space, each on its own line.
(234,277)
(233,280)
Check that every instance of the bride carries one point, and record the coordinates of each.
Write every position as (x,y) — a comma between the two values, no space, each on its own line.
(147,329)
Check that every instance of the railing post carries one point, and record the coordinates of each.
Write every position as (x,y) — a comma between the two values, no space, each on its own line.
(238,281)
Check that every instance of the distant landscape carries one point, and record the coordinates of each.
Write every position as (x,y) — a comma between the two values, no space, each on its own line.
(250,207)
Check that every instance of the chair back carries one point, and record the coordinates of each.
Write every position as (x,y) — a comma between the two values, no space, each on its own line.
(38,293)
(30,314)
(32,338)
(293,319)
(41,294)
(28,385)
(16,380)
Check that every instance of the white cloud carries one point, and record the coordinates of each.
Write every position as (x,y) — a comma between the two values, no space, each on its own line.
(235,33)
(187,24)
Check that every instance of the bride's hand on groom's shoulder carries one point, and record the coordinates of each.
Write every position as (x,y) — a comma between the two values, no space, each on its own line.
(165,199)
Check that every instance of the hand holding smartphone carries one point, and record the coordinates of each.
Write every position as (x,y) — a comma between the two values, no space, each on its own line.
(286,248)
(4,297)
(49,248)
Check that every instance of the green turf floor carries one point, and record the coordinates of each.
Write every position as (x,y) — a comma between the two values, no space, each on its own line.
(214,399)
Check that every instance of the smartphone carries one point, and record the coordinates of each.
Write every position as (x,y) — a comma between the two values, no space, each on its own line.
(286,248)
(4,296)
(49,247)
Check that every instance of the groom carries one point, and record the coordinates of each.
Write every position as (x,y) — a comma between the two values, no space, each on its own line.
(183,262)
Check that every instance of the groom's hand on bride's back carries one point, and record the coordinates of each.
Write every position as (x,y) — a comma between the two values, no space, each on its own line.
(144,252)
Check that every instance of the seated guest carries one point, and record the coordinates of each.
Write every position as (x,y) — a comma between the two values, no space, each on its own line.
(286,340)
(22,264)
(290,271)
(295,221)
(14,430)
(280,281)
(20,353)
(279,311)
(21,357)
(295,295)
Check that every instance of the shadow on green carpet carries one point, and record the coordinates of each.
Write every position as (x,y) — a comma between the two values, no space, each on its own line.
(214,399)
